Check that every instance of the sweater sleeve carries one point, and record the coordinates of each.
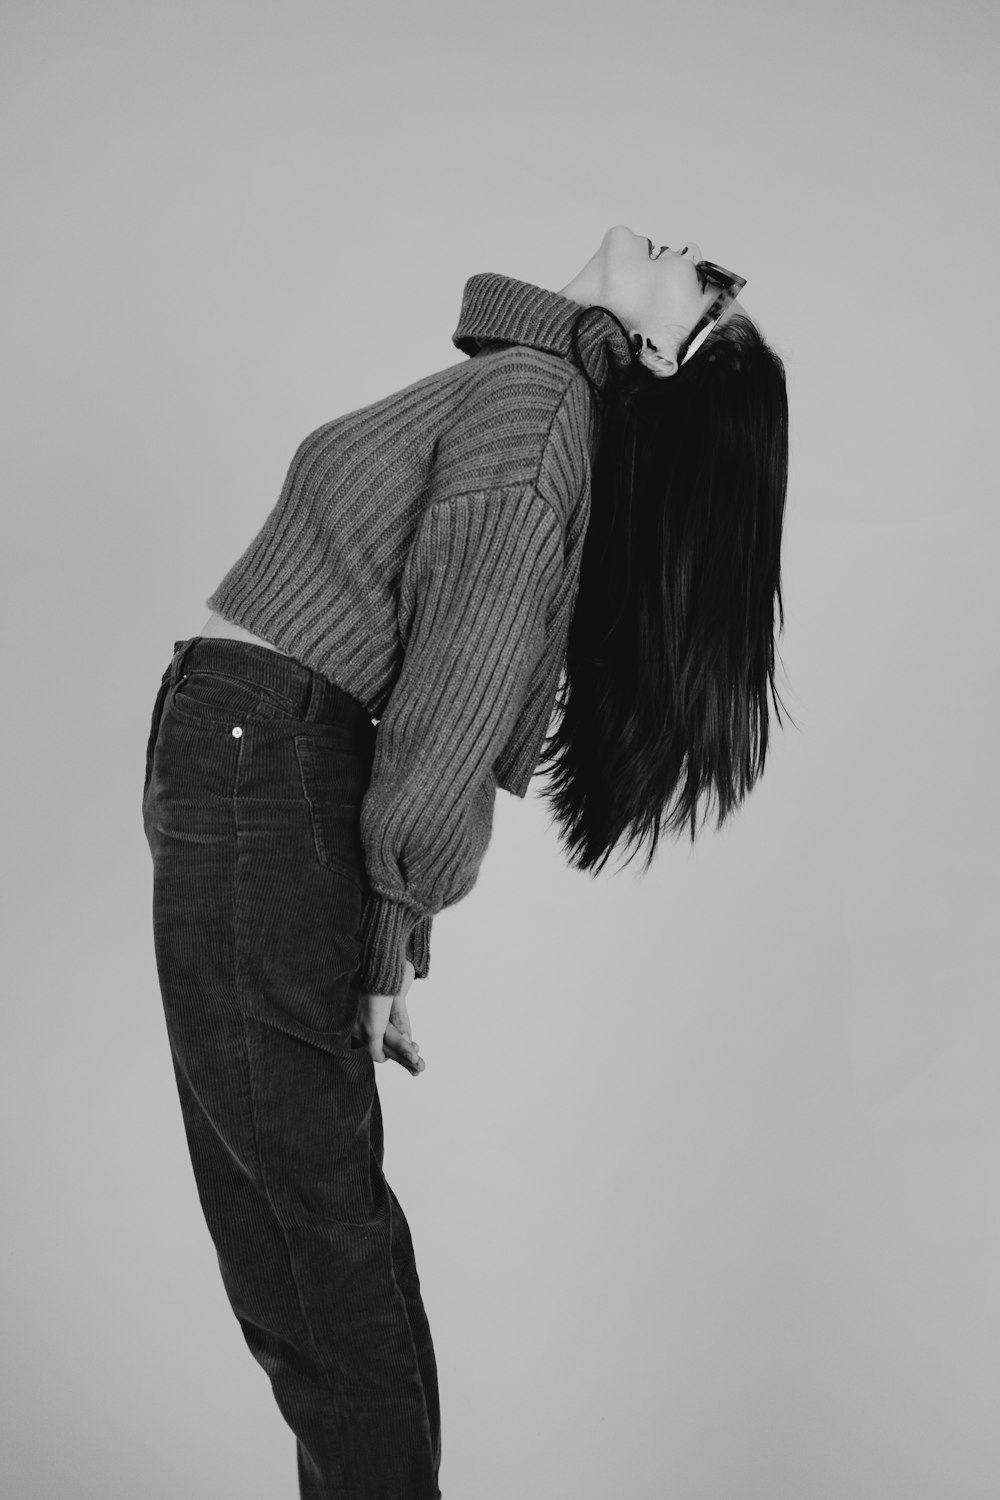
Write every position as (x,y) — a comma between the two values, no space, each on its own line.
(479,578)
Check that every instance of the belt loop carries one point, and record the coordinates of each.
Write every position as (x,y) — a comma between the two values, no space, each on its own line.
(180,655)
(317,689)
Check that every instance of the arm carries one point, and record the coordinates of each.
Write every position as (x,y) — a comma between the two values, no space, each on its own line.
(481,573)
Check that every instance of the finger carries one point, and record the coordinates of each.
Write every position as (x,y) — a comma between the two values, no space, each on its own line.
(383,1037)
(412,1065)
(399,1015)
(398,1048)
(401,1041)
(403,1050)
(401,1038)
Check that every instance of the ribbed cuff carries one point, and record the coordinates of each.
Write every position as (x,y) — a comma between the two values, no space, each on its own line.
(420,947)
(390,932)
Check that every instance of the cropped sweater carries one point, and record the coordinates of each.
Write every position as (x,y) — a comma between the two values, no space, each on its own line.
(424,554)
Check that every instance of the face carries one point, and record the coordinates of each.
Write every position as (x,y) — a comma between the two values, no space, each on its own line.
(652,288)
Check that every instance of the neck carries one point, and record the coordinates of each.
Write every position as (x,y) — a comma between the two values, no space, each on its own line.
(585,287)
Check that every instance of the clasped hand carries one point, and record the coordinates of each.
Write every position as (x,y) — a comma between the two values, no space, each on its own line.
(383,1026)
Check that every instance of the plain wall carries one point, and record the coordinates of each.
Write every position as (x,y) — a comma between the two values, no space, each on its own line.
(702,1169)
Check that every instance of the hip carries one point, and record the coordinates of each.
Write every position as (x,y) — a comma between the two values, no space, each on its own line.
(246,741)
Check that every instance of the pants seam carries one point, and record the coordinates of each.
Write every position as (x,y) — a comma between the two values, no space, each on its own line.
(325,1374)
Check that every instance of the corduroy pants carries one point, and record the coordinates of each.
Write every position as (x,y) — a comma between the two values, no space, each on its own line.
(255,771)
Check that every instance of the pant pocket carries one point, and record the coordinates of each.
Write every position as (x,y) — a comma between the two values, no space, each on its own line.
(221,698)
(334,781)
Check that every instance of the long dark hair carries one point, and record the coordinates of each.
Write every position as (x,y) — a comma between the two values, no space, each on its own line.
(663,703)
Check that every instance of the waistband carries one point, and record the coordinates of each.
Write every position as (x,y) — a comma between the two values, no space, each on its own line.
(309,694)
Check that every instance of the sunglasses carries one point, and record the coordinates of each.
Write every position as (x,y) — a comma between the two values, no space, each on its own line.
(728,287)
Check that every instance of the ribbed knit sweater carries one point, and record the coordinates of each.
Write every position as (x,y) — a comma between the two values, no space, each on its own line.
(424,554)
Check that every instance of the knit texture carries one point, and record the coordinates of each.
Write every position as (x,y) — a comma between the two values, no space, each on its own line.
(424,554)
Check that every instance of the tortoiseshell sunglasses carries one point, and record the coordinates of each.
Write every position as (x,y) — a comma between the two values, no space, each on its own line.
(729,286)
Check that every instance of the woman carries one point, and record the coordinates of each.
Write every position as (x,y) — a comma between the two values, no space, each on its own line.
(586,515)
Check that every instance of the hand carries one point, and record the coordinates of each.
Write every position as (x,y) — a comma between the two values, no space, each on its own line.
(383,1026)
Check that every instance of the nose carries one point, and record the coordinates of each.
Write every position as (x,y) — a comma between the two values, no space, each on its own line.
(692,251)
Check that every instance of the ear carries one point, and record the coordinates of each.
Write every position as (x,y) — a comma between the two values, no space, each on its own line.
(658,363)
(655,360)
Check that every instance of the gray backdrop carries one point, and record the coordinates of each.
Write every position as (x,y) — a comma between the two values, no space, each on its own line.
(702,1171)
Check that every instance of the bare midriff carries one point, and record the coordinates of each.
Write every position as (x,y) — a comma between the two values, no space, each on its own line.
(216,625)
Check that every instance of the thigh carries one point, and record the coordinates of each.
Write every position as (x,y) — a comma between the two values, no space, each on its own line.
(257,897)
(255,813)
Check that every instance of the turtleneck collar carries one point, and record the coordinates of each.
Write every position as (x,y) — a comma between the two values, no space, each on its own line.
(499,309)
